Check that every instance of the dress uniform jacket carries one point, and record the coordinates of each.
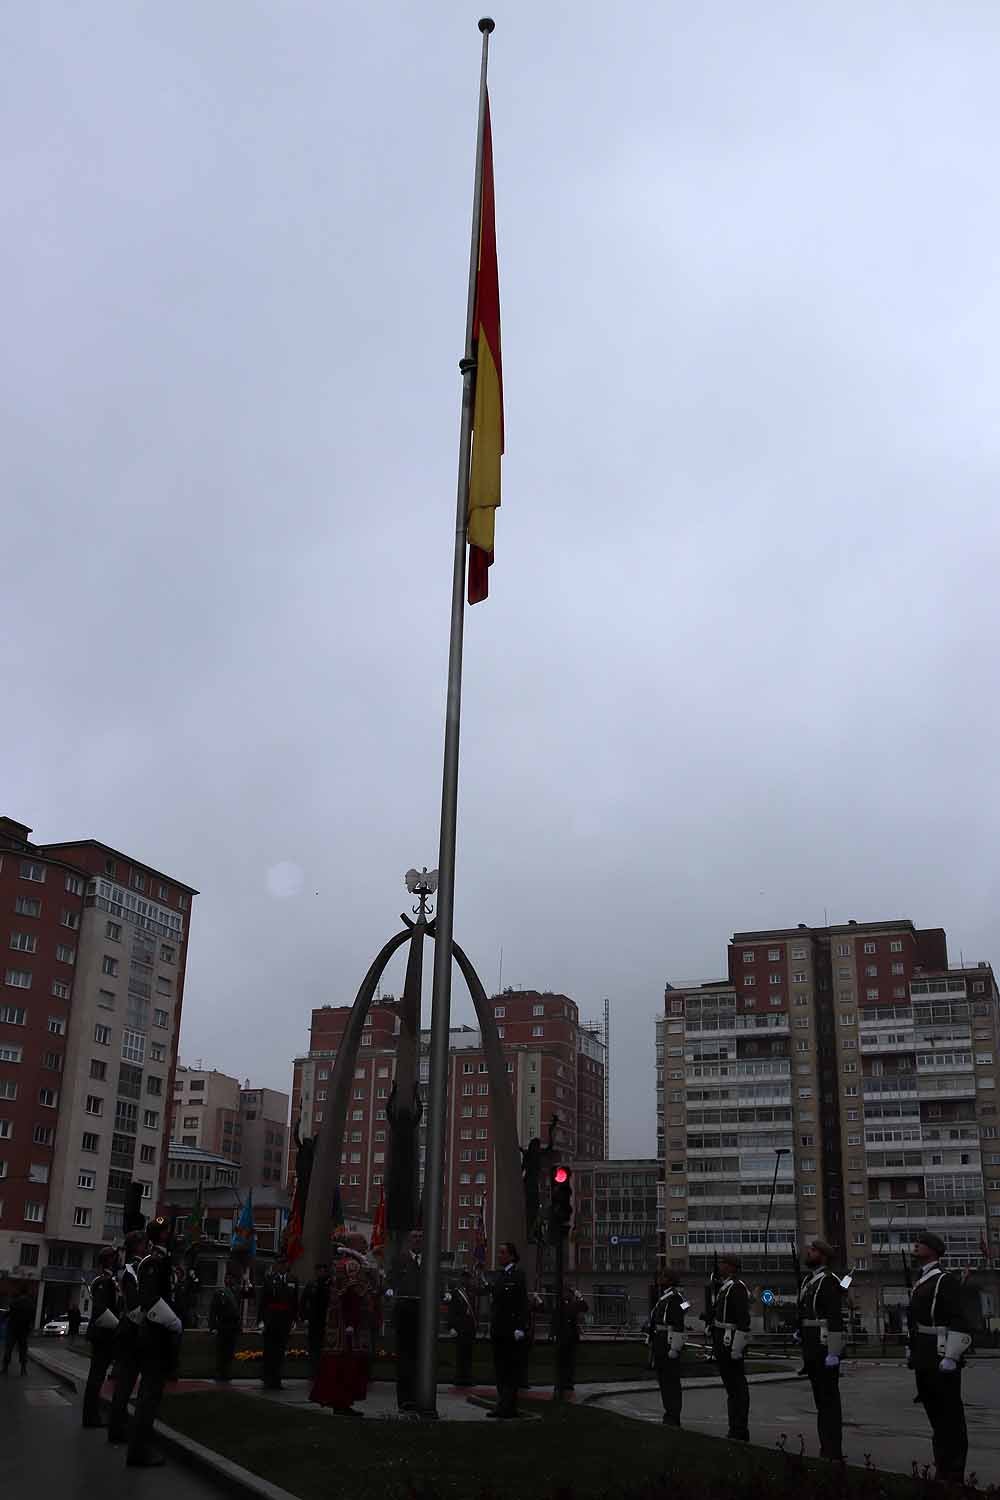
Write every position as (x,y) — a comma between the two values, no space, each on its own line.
(821,1314)
(939,1331)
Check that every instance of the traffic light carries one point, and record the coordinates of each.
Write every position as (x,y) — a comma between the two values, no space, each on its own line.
(562,1201)
(134,1217)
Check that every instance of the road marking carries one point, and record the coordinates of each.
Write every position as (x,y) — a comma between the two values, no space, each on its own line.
(45,1396)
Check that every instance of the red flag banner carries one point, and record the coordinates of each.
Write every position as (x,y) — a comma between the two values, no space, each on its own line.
(487,416)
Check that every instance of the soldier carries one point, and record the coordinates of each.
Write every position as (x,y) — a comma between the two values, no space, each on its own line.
(566,1330)
(126,1370)
(730,1335)
(821,1319)
(224,1322)
(277,1311)
(404,1292)
(20,1316)
(509,1319)
(462,1320)
(159,1343)
(105,1304)
(939,1337)
(665,1332)
(315,1305)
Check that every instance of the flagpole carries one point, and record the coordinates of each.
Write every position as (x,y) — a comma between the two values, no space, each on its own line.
(434,1164)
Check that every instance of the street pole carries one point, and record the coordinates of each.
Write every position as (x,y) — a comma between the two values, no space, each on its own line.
(779,1152)
(434,1165)
(560,1252)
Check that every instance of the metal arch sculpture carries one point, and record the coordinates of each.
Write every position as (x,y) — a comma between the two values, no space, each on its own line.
(508,1196)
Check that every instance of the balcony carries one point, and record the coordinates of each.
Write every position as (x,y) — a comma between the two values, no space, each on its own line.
(896,1087)
(947,1088)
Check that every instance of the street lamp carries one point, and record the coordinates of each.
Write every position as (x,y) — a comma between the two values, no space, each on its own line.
(779,1152)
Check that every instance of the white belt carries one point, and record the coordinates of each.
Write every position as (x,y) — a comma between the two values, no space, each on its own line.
(727,1327)
(813,1322)
(926,1328)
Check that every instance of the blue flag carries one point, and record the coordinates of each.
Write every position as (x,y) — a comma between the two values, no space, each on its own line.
(244,1239)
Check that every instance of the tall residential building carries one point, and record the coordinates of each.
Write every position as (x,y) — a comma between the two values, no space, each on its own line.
(95,947)
(249,1126)
(852,1070)
(556,1067)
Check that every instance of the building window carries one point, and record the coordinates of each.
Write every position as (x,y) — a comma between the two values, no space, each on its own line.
(24,942)
(18,979)
(161,1018)
(94,1105)
(34,1213)
(65,954)
(133,1047)
(89,1141)
(151,1119)
(157,1052)
(32,871)
(48,1098)
(749,980)
(43,1135)
(82,1218)
(86,1180)
(538,1010)
(28,906)
(98,1070)
(871,948)
(109,965)
(538,1031)
(102,1036)
(499,1012)
(147,1155)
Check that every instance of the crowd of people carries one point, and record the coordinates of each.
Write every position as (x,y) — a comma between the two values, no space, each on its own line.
(939,1338)
(140,1306)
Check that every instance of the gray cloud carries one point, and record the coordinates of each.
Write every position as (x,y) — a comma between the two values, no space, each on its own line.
(738,663)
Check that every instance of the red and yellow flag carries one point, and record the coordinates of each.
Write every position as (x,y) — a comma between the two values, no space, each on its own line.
(377,1242)
(487,417)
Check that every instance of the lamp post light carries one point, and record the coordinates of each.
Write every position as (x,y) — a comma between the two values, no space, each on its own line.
(779,1152)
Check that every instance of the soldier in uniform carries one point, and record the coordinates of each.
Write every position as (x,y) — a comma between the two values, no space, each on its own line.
(315,1305)
(159,1343)
(126,1370)
(20,1316)
(566,1330)
(509,1320)
(404,1292)
(665,1332)
(939,1338)
(462,1320)
(224,1322)
(277,1311)
(730,1327)
(821,1319)
(104,1310)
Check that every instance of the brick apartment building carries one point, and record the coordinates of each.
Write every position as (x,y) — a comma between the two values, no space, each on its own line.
(556,1067)
(869,1064)
(95,948)
(210,1111)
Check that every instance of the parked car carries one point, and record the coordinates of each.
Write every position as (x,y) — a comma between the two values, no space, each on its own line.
(58,1328)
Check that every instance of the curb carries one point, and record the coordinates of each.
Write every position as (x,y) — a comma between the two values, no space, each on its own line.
(234,1479)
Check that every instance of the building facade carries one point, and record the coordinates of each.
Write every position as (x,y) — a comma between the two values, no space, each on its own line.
(555,1067)
(213,1112)
(95,947)
(843,1079)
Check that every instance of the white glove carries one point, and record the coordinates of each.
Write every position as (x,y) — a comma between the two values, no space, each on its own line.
(947,1366)
(832,1361)
(349,1331)
(519,1335)
(389,1292)
(260,1328)
(672,1355)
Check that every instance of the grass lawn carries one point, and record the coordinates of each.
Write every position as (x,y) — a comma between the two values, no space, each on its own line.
(610,1360)
(572,1453)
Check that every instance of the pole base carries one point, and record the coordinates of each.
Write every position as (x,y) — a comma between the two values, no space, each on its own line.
(427,1414)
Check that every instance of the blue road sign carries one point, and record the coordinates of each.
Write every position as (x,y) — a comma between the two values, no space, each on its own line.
(767,1296)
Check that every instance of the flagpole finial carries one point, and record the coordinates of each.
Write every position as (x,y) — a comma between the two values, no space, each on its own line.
(487,24)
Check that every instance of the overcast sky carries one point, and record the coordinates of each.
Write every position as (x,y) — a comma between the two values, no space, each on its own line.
(738,666)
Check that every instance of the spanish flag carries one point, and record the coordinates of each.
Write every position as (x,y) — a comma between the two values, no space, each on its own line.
(487,416)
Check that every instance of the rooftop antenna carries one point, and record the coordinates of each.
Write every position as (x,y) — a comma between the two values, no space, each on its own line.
(500,972)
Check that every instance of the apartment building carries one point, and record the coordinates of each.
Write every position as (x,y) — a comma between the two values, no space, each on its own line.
(95,945)
(555,1066)
(845,1078)
(249,1126)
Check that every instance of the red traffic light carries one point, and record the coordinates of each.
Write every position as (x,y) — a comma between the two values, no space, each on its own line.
(560,1175)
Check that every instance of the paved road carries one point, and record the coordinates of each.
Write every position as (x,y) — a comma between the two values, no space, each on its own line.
(45,1451)
(879,1415)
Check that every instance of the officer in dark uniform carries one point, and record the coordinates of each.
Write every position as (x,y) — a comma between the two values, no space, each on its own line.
(404,1292)
(821,1319)
(462,1321)
(101,1331)
(277,1311)
(665,1331)
(730,1328)
(315,1304)
(509,1320)
(224,1322)
(939,1338)
(159,1343)
(566,1329)
(126,1370)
